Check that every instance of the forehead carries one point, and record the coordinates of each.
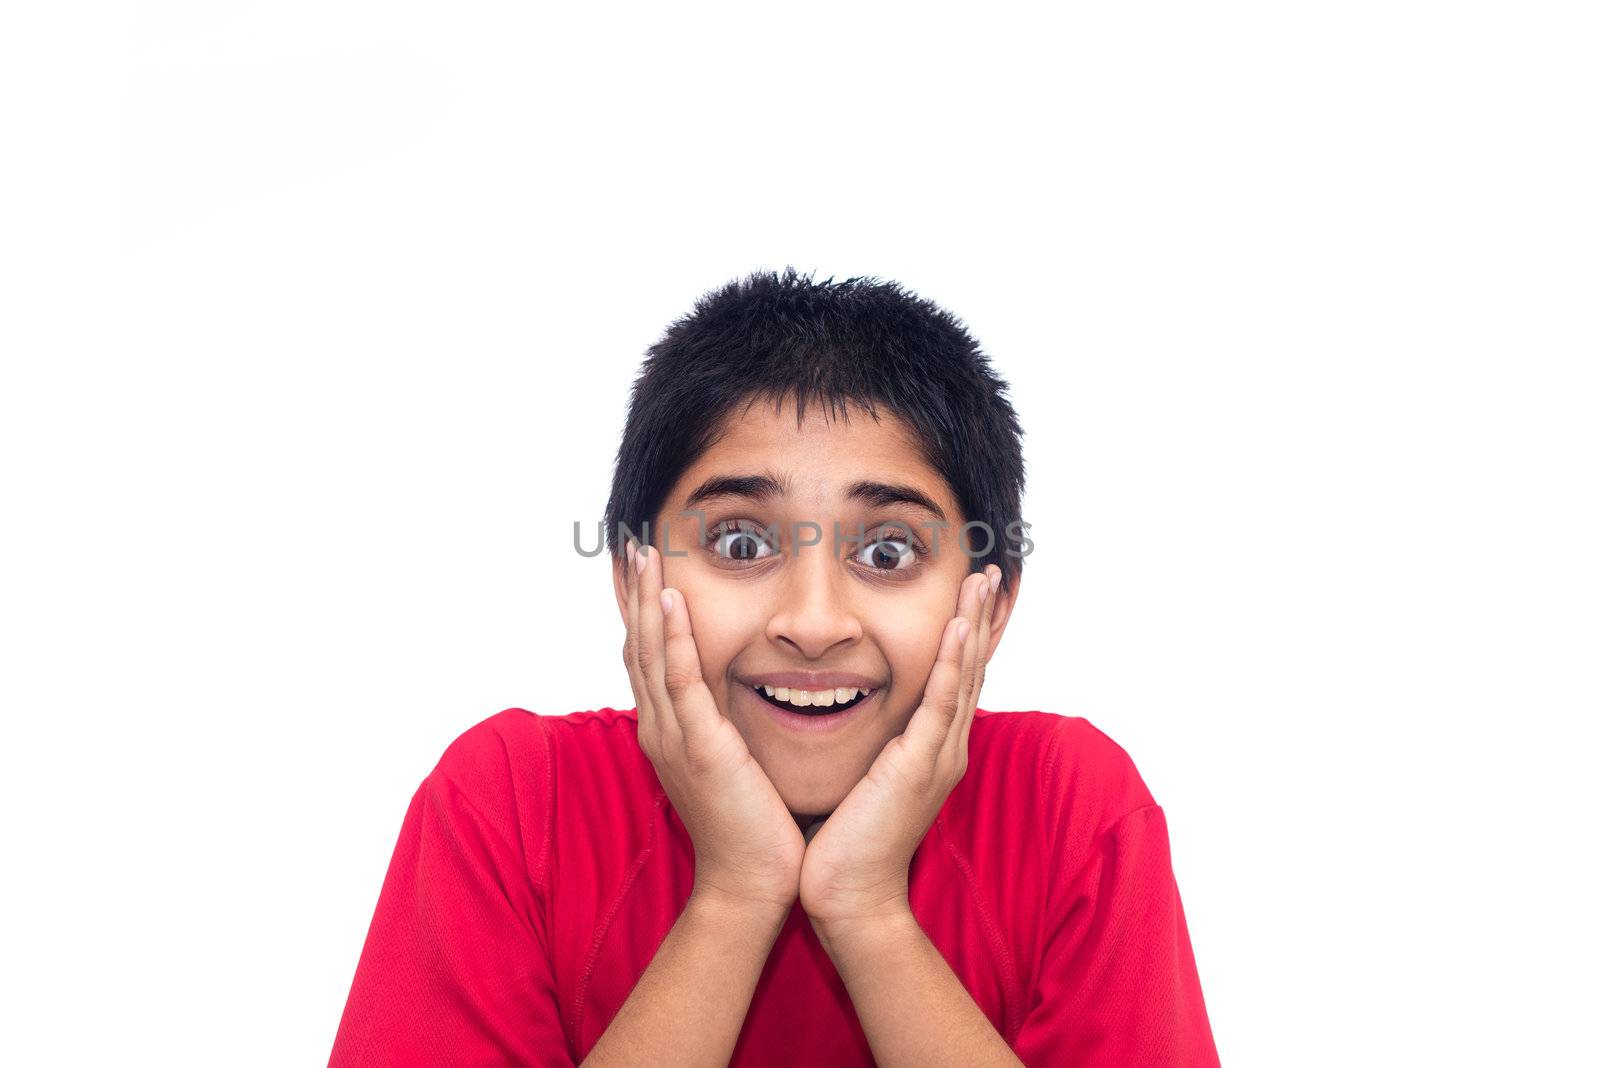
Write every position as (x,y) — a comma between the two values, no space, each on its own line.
(818,458)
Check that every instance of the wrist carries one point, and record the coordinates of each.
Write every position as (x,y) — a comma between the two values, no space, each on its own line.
(722,911)
(866,933)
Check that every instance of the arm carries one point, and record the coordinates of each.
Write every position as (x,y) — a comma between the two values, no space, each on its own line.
(854,884)
(911,1005)
(689,1005)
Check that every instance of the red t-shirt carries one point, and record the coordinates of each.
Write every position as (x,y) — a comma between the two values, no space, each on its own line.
(541,864)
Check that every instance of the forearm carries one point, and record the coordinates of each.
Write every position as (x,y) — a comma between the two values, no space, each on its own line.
(911,1005)
(688,1007)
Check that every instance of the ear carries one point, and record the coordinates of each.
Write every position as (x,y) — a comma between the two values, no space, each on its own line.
(1005,601)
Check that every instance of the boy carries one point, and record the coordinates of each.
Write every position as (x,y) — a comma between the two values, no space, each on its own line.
(805,844)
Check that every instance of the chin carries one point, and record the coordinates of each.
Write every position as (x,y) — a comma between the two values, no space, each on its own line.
(808,799)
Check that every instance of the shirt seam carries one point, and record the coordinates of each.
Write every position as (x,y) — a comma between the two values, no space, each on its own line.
(1008,970)
(484,823)
(629,881)
(1057,885)
(580,1006)
(542,874)
(1093,851)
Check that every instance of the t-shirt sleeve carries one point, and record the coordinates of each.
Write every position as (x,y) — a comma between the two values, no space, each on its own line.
(455,969)
(1117,983)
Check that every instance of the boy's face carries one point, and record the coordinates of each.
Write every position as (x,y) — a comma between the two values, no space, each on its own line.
(760,607)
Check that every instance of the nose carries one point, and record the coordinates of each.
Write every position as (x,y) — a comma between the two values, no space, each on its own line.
(814,613)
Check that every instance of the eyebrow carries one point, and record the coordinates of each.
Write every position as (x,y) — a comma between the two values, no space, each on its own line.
(763,487)
(883,494)
(756,487)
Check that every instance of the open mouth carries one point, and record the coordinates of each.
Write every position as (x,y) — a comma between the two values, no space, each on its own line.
(807,703)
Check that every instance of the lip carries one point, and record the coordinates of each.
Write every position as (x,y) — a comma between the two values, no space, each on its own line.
(833,721)
(813,680)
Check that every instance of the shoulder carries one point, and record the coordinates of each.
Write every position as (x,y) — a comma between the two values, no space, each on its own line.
(1071,750)
(509,767)
(1080,779)
(517,741)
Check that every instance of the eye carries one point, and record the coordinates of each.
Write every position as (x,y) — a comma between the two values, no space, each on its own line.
(739,541)
(890,550)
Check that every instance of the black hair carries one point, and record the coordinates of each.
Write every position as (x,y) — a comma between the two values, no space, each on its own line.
(862,341)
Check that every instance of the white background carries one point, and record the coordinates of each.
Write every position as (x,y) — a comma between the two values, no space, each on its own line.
(319,320)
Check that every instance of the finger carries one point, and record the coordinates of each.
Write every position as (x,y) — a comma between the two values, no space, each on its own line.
(683,676)
(974,593)
(652,653)
(974,665)
(986,632)
(931,721)
(980,641)
(649,725)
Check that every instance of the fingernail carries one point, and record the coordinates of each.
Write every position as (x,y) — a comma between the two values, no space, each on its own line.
(963,628)
(666,601)
(627,552)
(642,559)
(983,591)
(994,581)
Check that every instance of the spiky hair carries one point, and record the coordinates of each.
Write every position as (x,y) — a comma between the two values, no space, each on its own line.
(862,341)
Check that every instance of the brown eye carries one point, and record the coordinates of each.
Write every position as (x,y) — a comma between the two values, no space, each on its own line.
(888,554)
(740,543)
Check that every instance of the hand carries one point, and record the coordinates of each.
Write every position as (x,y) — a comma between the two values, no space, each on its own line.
(747,846)
(857,867)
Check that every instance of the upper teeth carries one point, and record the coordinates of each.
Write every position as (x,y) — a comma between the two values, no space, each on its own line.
(839,694)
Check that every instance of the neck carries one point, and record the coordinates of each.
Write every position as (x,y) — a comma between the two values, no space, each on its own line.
(809,825)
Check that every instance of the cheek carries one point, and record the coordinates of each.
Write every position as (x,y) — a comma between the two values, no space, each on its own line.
(911,657)
(722,624)
(912,644)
